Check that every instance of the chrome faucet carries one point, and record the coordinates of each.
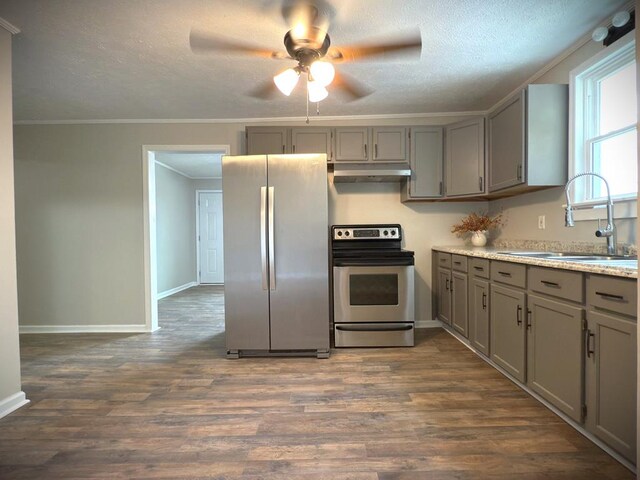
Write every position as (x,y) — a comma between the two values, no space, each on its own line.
(609,232)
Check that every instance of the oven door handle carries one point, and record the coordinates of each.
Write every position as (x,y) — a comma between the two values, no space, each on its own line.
(382,328)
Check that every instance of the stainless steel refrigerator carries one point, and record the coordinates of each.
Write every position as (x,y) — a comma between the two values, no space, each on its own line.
(275,254)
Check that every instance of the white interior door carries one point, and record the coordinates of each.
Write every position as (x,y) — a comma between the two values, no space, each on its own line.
(210,236)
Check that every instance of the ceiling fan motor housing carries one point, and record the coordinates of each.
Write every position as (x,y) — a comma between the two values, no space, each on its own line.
(307,50)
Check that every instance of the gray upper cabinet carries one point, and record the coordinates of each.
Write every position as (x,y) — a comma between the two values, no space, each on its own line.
(390,144)
(554,353)
(508,330)
(267,140)
(312,140)
(527,140)
(426,158)
(465,165)
(352,144)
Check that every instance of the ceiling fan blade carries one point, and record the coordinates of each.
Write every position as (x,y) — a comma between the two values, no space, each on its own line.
(264,91)
(351,87)
(409,45)
(202,42)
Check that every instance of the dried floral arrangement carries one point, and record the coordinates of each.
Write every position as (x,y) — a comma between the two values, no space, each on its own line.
(476,222)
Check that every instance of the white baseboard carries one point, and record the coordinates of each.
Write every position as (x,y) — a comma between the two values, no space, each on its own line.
(173,291)
(428,324)
(26,329)
(12,403)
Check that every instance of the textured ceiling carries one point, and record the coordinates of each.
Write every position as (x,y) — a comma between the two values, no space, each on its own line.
(193,165)
(130,59)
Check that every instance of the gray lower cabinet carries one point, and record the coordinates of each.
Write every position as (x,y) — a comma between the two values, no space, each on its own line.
(479,314)
(611,381)
(554,353)
(508,330)
(459,303)
(444,295)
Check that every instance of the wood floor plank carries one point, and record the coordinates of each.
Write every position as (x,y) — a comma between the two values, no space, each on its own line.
(169,405)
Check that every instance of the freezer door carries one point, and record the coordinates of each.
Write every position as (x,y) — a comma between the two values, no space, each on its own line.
(246,297)
(299,253)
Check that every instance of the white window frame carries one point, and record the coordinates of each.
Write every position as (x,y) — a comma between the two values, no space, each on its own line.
(581,98)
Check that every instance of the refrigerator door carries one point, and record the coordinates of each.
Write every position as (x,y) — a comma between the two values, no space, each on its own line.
(299,254)
(244,186)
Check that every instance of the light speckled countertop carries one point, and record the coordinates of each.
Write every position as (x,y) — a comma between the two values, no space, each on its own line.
(491,253)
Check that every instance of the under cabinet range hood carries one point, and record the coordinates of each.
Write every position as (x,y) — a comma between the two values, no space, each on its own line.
(373,172)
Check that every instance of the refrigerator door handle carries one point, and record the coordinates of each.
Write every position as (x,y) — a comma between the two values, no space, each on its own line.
(263,235)
(272,246)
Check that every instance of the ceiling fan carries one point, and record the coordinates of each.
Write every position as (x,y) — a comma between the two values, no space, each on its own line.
(308,43)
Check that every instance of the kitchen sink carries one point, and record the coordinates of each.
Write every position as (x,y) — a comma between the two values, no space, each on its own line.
(628,261)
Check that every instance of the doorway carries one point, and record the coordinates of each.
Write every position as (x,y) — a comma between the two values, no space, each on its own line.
(185,164)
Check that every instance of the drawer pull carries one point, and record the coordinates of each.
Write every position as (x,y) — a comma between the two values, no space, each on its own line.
(443,260)
(549,284)
(458,263)
(505,274)
(610,296)
(481,269)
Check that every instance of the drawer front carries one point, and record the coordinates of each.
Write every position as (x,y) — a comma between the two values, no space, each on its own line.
(459,263)
(479,267)
(444,260)
(557,283)
(509,273)
(374,335)
(617,295)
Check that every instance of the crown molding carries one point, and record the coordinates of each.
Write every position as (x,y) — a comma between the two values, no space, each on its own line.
(9,27)
(253,120)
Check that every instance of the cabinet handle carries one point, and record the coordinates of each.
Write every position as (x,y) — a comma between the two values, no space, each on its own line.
(282,148)
(505,274)
(441,189)
(587,343)
(610,295)
(481,269)
(457,263)
(294,149)
(484,301)
(447,284)
(375,150)
(519,172)
(365,151)
(519,315)
(528,319)
(481,183)
(549,284)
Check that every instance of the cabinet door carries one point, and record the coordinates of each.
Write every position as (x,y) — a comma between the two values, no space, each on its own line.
(267,140)
(611,381)
(465,158)
(459,305)
(352,144)
(444,295)
(554,353)
(479,314)
(312,140)
(426,163)
(390,144)
(506,144)
(508,330)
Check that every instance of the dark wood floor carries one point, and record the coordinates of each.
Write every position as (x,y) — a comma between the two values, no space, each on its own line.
(170,405)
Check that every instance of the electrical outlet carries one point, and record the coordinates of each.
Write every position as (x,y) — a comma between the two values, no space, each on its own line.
(541,222)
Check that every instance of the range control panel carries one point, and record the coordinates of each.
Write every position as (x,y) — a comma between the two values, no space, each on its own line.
(366,232)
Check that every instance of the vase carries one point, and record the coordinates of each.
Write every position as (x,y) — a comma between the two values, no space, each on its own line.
(479,238)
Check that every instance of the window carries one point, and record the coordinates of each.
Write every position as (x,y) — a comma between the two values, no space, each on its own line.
(604,117)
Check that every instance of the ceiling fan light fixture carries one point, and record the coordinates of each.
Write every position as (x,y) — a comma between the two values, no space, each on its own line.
(317,92)
(322,72)
(286,81)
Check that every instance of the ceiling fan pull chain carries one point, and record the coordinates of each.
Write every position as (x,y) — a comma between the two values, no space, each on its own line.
(318,108)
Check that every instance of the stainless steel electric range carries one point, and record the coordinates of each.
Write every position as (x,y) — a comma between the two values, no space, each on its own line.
(373,286)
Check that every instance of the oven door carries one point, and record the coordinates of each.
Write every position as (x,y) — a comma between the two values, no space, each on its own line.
(373,294)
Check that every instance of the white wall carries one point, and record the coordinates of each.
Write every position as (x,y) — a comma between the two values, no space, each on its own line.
(521,212)
(11,396)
